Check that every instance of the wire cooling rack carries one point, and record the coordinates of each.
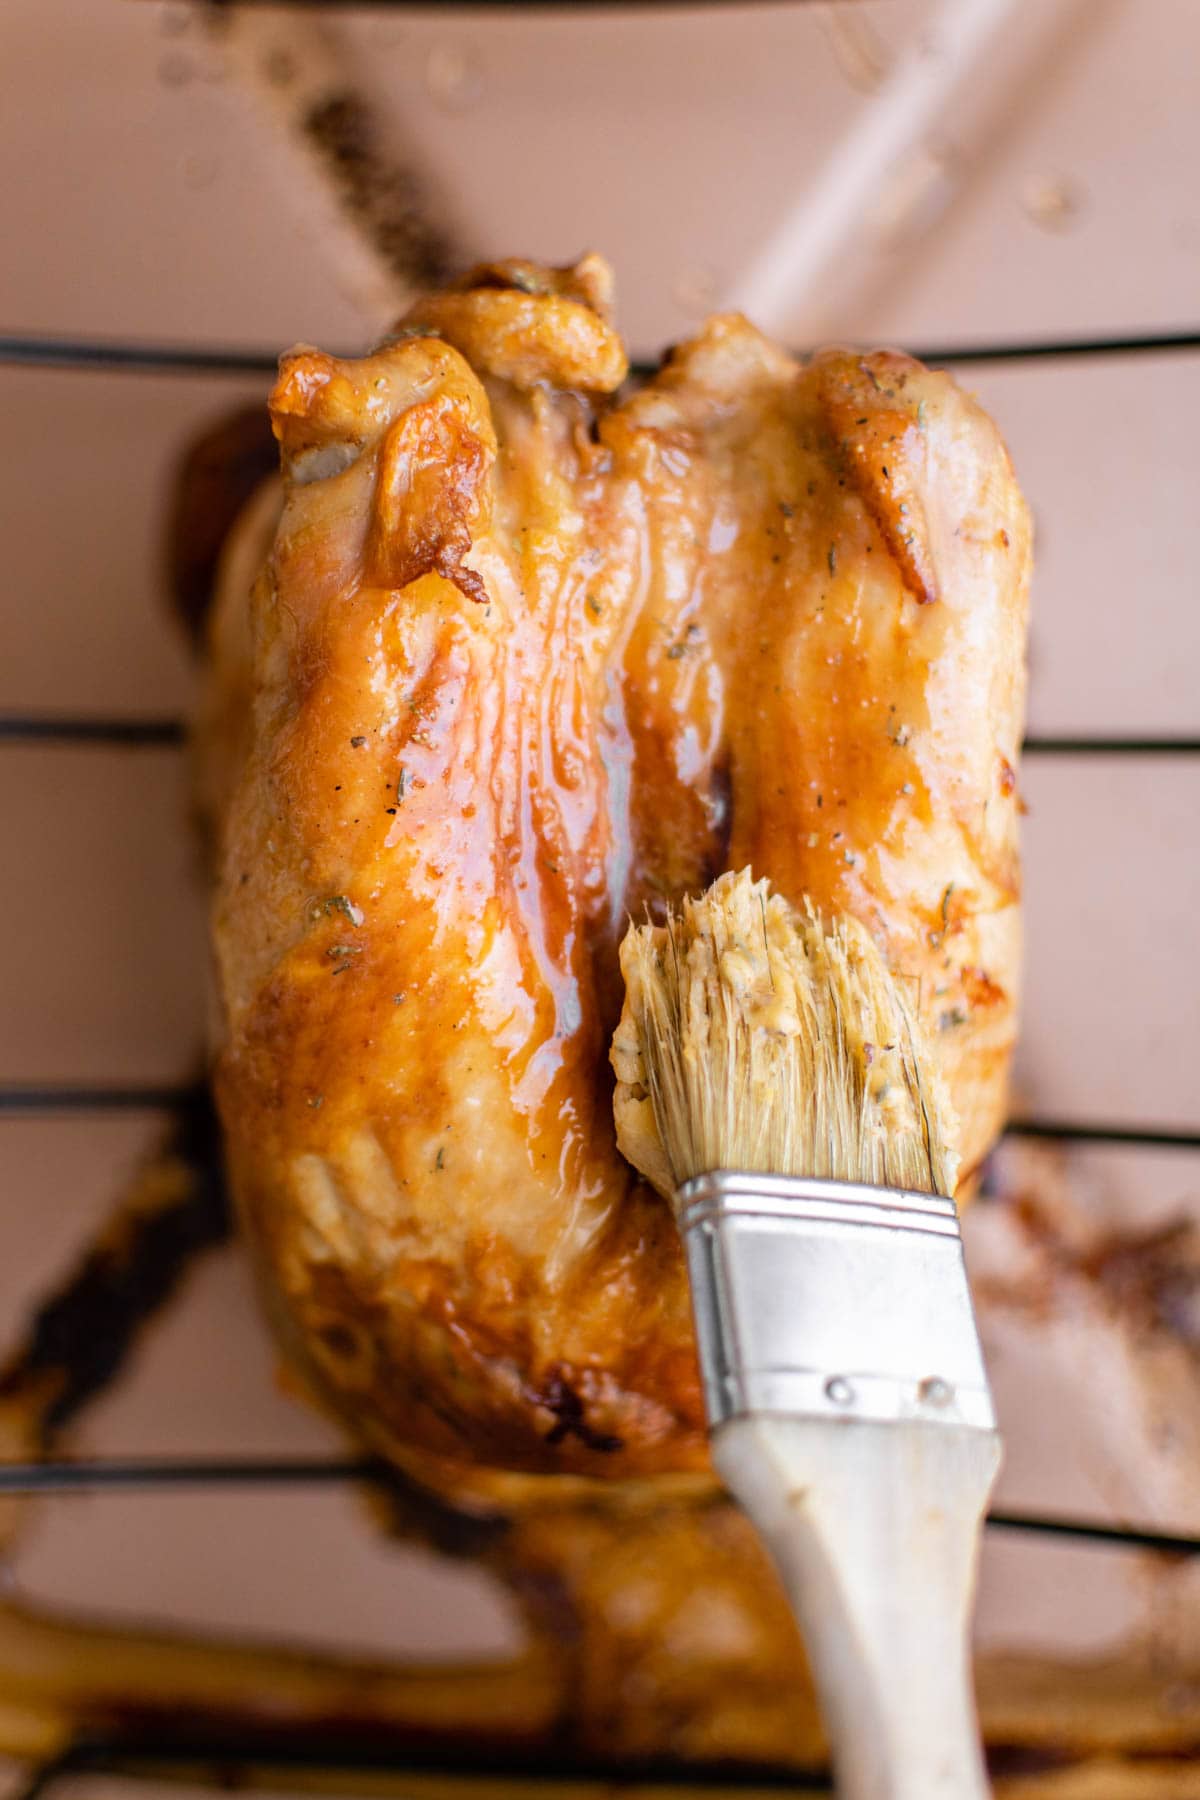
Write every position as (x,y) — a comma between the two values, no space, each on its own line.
(61,1477)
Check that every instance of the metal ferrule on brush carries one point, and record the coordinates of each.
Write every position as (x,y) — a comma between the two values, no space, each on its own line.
(831,1299)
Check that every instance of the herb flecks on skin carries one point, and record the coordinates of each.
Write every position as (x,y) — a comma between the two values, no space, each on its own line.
(687,641)
(403,332)
(831,559)
(342,903)
(527,283)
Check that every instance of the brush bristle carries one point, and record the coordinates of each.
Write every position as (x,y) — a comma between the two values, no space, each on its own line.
(755,1037)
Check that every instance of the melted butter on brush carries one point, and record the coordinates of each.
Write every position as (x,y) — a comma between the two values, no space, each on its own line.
(759,1037)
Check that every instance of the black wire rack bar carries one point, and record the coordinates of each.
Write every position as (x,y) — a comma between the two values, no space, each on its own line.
(1044,744)
(1148,343)
(18,1100)
(1072,1132)
(130,356)
(136,356)
(215,1759)
(158,1473)
(1127,1537)
(35,728)
(84,1097)
(126,1473)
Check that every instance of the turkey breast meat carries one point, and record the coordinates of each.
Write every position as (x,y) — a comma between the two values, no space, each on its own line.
(534,652)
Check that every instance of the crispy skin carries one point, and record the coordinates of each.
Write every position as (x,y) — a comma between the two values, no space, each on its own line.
(528,660)
(655,1631)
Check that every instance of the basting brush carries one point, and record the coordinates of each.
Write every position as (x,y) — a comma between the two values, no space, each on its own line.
(772,1081)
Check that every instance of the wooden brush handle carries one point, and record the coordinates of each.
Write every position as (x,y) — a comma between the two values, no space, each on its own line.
(875,1530)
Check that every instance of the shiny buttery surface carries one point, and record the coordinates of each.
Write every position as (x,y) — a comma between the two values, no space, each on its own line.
(527,662)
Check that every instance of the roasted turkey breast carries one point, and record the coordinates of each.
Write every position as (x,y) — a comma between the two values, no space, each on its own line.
(533,653)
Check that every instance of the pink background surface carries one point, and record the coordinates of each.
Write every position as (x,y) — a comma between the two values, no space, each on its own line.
(145,196)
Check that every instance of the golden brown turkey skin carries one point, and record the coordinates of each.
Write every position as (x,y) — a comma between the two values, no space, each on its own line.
(526,661)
